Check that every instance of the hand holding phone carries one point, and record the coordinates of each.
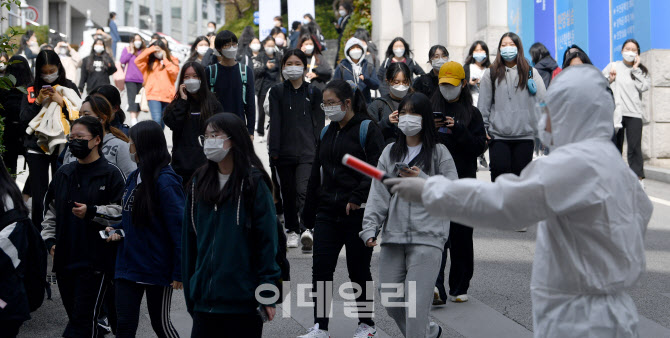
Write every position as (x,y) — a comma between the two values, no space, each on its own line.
(107,233)
(401,166)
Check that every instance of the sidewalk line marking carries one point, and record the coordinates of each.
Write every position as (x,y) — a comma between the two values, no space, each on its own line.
(660,201)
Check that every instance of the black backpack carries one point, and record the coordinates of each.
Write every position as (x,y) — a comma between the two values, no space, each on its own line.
(35,260)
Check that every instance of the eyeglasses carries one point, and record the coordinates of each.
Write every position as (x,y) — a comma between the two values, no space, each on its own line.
(203,138)
(329,104)
(229,45)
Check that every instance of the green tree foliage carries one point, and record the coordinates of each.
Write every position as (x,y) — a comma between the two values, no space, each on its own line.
(360,18)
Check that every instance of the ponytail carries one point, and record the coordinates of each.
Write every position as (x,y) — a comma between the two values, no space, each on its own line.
(347,90)
(117,132)
(103,108)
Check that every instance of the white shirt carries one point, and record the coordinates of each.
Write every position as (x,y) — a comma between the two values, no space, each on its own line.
(222,180)
(412,152)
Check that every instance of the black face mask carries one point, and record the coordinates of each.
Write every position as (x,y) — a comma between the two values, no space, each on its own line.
(79,148)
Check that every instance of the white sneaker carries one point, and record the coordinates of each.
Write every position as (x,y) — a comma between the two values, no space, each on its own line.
(314,332)
(436,297)
(292,240)
(459,298)
(522,229)
(307,241)
(133,121)
(642,184)
(365,331)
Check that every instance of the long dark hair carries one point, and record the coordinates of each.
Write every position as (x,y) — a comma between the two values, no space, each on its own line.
(112,95)
(576,55)
(9,189)
(345,91)
(194,47)
(44,58)
(207,187)
(538,51)
(203,96)
(106,59)
(103,109)
(317,45)
(389,50)
(439,103)
(470,59)
(94,127)
(24,40)
(153,59)
(291,52)
(644,69)
(144,44)
(20,70)
(399,67)
(153,155)
(522,66)
(417,103)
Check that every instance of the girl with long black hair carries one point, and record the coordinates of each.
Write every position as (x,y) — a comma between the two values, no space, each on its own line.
(96,68)
(199,48)
(397,51)
(413,240)
(193,104)
(476,63)
(629,78)
(266,75)
(336,198)
(84,198)
(296,118)
(384,109)
(319,70)
(229,237)
(49,75)
(507,104)
(149,256)
(462,131)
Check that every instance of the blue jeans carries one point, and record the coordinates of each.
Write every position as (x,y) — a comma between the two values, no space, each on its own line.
(156,108)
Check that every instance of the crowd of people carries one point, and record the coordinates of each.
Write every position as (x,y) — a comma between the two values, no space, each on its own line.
(121,216)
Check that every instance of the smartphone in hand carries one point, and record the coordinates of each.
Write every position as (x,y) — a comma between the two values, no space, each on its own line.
(263,313)
(104,234)
(438,115)
(401,166)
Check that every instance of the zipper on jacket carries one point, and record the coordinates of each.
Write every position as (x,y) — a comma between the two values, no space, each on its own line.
(211,266)
(332,153)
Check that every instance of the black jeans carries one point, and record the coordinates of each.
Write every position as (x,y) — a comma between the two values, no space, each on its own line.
(128,299)
(632,127)
(293,179)
(10,328)
(208,325)
(260,126)
(509,156)
(331,232)
(276,193)
(83,292)
(39,182)
(462,261)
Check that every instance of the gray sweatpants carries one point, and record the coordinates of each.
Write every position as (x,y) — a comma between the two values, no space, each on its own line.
(415,266)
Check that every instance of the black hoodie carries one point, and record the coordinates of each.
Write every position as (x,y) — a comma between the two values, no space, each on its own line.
(341,185)
(546,67)
(296,120)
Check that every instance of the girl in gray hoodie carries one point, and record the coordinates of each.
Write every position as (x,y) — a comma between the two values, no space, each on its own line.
(413,240)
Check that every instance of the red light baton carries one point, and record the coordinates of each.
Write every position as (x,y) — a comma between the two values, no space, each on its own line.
(364,168)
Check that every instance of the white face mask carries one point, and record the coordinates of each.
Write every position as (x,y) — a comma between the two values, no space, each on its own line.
(201,50)
(629,56)
(410,125)
(293,72)
(255,47)
(99,49)
(138,44)
(159,55)
(211,29)
(437,63)
(399,91)
(343,12)
(213,149)
(3,66)
(279,41)
(479,57)
(398,52)
(62,51)
(50,78)
(192,85)
(269,50)
(356,54)
(450,92)
(309,49)
(334,113)
(306,21)
(229,53)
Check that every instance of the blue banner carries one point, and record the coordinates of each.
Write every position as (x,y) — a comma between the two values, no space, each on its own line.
(599,31)
(544,24)
(571,26)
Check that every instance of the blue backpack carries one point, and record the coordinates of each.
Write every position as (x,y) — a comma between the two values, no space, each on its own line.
(214,72)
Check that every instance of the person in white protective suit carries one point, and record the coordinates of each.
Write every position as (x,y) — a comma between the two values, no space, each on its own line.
(592,213)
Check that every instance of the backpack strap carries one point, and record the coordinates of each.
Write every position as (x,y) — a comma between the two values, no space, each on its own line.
(212,76)
(323,132)
(363,133)
(12,216)
(493,87)
(243,75)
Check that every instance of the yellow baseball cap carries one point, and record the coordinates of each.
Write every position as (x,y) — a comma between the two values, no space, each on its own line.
(451,73)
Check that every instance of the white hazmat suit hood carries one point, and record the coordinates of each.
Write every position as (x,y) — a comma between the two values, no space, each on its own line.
(592,214)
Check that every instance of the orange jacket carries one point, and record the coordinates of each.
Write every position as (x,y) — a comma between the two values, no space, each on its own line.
(159,85)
